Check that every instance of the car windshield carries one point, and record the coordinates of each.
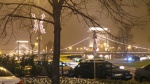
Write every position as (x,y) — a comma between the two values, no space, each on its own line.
(114,66)
(4,72)
(111,66)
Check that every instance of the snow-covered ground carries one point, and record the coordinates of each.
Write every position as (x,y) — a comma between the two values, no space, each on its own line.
(66,80)
(62,81)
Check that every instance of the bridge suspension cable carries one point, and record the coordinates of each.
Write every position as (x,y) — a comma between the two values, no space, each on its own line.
(75,43)
(103,37)
(121,42)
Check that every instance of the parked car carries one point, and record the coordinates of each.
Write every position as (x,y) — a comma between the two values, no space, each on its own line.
(142,74)
(104,70)
(6,77)
(65,70)
(98,60)
(92,60)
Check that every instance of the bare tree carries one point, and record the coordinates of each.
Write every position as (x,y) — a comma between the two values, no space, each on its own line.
(125,37)
(17,14)
(148,40)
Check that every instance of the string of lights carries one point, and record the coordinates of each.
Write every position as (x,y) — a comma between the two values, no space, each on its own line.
(106,38)
(122,43)
(75,43)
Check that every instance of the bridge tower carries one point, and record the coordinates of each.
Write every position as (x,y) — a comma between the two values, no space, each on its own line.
(102,38)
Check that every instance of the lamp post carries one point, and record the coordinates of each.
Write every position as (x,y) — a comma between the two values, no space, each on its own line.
(129,48)
(0,52)
(18,50)
(70,49)
(94,51)
(38,27)
(32,46)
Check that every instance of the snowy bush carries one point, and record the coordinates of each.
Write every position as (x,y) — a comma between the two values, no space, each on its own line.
(65,80)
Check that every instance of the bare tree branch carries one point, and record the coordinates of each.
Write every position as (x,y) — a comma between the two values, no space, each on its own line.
(26,4)
(20,12)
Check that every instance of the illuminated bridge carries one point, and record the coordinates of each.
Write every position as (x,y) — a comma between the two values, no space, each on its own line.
(104,47)
(104,53)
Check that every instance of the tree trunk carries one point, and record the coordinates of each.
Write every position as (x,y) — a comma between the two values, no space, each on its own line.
(56,54)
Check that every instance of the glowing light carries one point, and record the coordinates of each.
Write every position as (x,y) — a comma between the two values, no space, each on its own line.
(129,58)
(70,48)
(97,28)
(129,47)
(90,56)
(77,48)
(38,27)
(121,67)
(22,41)
(36,44)
(90,49)
(77,43)
(120,42)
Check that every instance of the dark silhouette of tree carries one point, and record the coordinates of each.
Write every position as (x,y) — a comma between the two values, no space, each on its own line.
(49,46)
(16,14)
(148,39)
(126,38)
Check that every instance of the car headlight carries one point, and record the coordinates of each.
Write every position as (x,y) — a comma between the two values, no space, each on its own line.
(121,67)
(129,59)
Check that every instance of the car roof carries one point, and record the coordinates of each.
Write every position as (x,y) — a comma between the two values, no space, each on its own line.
(90,60)
(5,72)
(95,62)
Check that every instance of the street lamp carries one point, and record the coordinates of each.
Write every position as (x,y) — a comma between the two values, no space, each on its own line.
(129,48)
(81,49)
(77,49)
(0,52)
(36,47)
(70,48)
(38,27)
(32,46)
